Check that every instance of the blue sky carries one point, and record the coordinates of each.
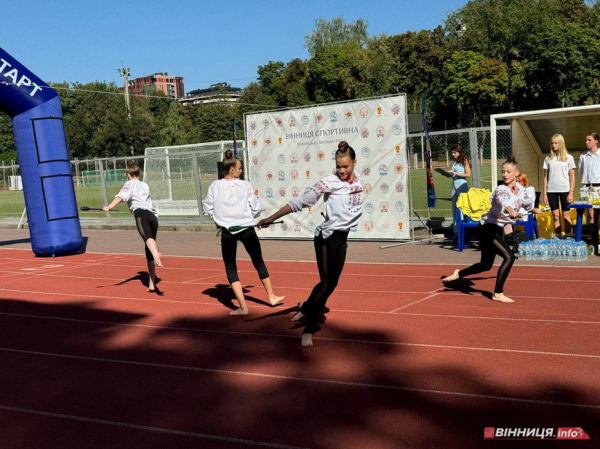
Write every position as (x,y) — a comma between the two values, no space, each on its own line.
(206,42)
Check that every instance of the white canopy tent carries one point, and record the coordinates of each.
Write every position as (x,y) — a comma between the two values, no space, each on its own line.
(531,133)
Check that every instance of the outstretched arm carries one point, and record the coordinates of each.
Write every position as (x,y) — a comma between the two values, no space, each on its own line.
(280,213)
(116,201)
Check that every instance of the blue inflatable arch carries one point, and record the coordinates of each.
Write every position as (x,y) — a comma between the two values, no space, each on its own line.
(46,174)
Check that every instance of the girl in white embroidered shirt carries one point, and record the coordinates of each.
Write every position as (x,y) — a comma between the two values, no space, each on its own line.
(137,195)
(507,199)
(231,202)
(343,196)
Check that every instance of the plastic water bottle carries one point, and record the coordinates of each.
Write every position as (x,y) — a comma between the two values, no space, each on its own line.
(524,251)
(545,250)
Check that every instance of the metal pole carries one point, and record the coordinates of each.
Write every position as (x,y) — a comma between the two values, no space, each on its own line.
(475,164)
(196,174)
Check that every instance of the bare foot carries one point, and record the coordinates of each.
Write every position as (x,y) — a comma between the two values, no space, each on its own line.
(307,340)
(239,312)
(276,300)
(151,290)
(157,260)
(453,277)
(501,298)
(299,315)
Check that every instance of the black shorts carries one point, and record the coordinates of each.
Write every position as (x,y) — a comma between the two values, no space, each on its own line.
(147,225)
(555,197)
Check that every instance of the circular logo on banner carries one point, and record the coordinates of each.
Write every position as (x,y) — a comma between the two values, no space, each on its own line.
(278,122)
(333,155)
(383,170)
(333,117)
(306,156)
(320,155)
(254,160)
(268,142)
(266,123)
(380,131)
(269,192)
(365,152)
(348,114)
(253,126)
(293,158)
(399,206)
(384,188)
(255,177)
(282,192)
(364,133)
(395,109)
(367,188)
(369,208)
(292,121)
(305,119)
(269,176)
(399,187)
(281,158)
(295,192)
(396,129)
(398,168)
(369,226)
(364,112)
(311,226)
(319,117)
(294,174)
(281,175)
(383,207)
(366,170)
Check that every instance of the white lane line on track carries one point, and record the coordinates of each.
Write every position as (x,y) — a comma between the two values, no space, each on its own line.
(145,428)
(212,303)
(301,379)
(342,340)
(431,295)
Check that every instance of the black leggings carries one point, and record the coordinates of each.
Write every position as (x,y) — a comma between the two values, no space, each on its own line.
(147,225)
(331,256)
(229,252)
(492,244)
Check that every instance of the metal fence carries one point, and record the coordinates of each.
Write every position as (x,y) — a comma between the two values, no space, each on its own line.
(477,145)
(179,178)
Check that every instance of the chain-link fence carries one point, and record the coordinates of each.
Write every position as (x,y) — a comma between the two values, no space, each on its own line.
(179,176)
(477,145)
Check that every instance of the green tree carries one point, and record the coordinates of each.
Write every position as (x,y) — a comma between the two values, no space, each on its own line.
(8,151)
(336,33)
(476,86)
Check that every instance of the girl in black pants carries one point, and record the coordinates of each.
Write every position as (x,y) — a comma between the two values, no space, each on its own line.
(343,195)
(506,201)
(231,202)
(137,195)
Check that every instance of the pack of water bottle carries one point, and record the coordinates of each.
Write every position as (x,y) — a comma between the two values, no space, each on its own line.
(553,249)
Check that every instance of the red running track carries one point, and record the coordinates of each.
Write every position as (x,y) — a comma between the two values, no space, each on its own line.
(89,359)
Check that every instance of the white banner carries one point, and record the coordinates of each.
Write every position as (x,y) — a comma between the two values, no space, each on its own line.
(290,151)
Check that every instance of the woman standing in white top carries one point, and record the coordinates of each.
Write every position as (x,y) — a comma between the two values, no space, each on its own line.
(343,196)
(559,182)
(137,195)
(506,200)
(589,166)
(231,202)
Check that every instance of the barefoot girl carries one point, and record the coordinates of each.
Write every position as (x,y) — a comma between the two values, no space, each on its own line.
(506,201)
(343,196)
(137,195)
(231,202)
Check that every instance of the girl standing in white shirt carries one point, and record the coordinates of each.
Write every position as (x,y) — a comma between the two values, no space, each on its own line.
(137,195)
(231,202)
(343,196)
(507,199)
(589,167)
(559,182)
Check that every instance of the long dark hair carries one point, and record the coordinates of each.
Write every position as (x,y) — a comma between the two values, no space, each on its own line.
(345,150)
(462,158)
